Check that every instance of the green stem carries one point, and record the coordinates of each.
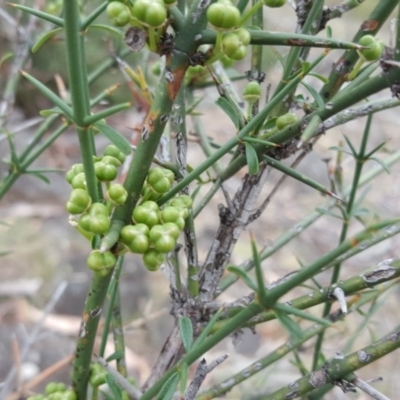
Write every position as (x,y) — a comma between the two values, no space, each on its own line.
(87,334)
(91,17)
(295,40)
(118,333)
(360,160)
(338,369)
(112,291)
(78,84)
(256,5)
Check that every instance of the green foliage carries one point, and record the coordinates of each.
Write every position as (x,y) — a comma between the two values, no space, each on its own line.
(149,201)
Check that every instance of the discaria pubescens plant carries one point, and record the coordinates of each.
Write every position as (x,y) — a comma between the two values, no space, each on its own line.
(152,209)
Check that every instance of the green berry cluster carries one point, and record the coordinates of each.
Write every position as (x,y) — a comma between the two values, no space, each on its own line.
(94,218)
(154,231)
(147,13)
(55,391)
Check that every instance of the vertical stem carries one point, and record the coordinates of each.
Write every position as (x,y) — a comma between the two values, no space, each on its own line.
(78,84)
(87,333)
(360,160)
(257,53)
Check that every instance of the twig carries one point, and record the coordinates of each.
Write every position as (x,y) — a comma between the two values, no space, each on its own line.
(365,387)
(133,392)
(201,372)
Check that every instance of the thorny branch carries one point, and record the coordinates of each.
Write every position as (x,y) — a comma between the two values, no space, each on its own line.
(232,223)
(201,372)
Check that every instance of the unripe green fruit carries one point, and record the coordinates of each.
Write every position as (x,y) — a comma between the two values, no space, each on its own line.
(75,170)
(274,3)
(96,220)
(53,387)
(252,92)
(79,201)
(79,181)
(150,194)
(98,209)
(146,213)
(111,160)
(118,13)
(101,263)
(153,259)
(105,172)
(285,120)
(234,44)
(114,151)
(196,74)
(164,237)
(136,238)
(243,35)
(174,215)
(160,179)
(97,375)
(184,200)
(66,395)
(183,203)
(223,15)
(374,51)
(150,12)
(117,194)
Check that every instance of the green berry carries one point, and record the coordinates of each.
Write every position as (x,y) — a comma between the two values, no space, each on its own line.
(114,151)
(274,3)
(101,263)
(374,50)
(252,92)
(183,203)
(234,44)
(151,13)
(53,387)
(96,220)
(147,213)
(118,13)
(153,259)
(149,194)
(75,170)
(97,375)
(174,215)
(111,160)
(164,236)
(159,180)
(79,201)
(117,194)
(136,238)
(79,181)
(285,120)
(105,172)
(223,15)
